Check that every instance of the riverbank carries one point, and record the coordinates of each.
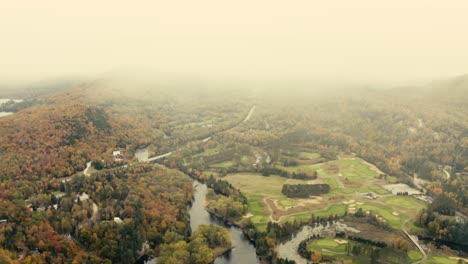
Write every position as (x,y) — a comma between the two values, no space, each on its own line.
(241,251)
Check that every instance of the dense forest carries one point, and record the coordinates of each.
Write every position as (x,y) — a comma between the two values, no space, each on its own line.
(120,209)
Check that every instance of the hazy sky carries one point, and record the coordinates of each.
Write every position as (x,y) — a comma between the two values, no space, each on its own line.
(355,40)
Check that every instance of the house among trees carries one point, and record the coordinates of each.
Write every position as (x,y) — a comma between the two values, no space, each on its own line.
(118,154)
(3,221)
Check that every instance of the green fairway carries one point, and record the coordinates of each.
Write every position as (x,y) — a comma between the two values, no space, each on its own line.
(385,213)
(441,259)
(304,169)
(286,202)
(378,189)
(329,247)
(354,169)
(326,243)
(225,164)
(371,188)
(332,182)
(255,206)
(256,184)
(405,203)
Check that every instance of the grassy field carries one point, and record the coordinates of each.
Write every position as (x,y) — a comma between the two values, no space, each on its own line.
(326,243)
(225,164)
(207,152)
(328,247)
(256,184)
(260,218)
(338,209)
(440,259)
(256,187)
(414,255)
(385,212)
(355,170)
(371,188)
(332,182)
(308,156)
(304,168)
(404,203)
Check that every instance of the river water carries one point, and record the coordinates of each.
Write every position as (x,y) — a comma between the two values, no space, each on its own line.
(243,251)
(3,100)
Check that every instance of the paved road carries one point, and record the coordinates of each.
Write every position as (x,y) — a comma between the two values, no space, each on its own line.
(159,157)
(415,242)
(204,140)
(249,114)
(448,174)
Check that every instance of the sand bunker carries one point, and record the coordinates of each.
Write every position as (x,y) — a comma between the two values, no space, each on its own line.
(341,241)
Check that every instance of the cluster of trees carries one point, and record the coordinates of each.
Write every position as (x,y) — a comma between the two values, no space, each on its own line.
(454,189)
(304,190)
(269,170)
(440,223)
(207,242)
(225,188)
(224,200)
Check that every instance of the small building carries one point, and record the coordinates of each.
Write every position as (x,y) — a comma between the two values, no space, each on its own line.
(118,154)
(117,220)
(3,221)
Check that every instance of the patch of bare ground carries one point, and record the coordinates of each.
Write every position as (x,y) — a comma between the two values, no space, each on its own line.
(315,181)
(331,168)
(248,215)
(375,233)
(303,205)
(349,184)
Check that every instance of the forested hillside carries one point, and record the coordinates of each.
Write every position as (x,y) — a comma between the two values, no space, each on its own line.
(348,142)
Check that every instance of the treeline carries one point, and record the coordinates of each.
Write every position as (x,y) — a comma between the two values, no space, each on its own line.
(379,244)
(268,170)
(225,200)
(304,190)
(225,188)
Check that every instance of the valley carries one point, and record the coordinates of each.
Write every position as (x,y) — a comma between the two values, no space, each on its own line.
(284,192)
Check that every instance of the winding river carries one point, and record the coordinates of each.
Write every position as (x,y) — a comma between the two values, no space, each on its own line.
(243,251)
